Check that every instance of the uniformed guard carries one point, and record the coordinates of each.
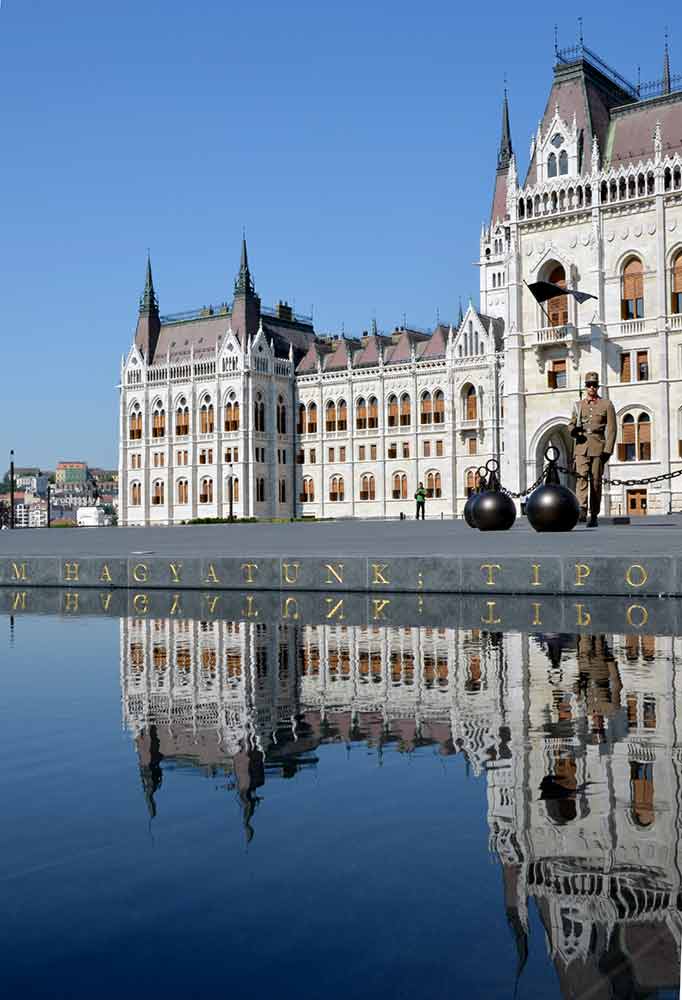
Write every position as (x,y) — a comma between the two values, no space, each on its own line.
(593,428)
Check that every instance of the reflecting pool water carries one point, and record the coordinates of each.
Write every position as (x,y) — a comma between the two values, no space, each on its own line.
(338,810)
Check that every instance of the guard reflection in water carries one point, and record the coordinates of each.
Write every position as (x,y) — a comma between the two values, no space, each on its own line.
(574,735)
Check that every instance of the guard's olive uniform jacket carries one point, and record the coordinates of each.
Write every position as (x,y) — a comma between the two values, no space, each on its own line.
(598,421)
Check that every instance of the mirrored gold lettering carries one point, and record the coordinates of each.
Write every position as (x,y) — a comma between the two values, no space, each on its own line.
(490,578)
(105,600)
(337,607)
(19,600)
(642,616)
(490,620)
(290,603)
(636,575)
(378,605)
(141,604)
(583,617)
(71,600)
(536,613)
(175,608)
(211,603)
(250,611)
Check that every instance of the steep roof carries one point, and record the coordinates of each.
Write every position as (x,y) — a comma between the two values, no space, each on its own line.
(630,133)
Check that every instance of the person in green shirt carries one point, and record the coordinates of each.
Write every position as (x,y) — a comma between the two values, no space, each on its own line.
(420,497)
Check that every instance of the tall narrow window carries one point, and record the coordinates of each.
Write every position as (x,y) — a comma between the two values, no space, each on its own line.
(308,494)
(361,415)
(644,437)
(551,165)
(392,411)
(642,792)
(206,490)
(367,487)
(642,366)
(632,296)
(312,418)
(563,162)
(625,367)
(627,449)
(373,413)
(182,418)
(342,416)
(231,415)
(281,416)
(158,422)
(556,377)
(135,494)
(677,284)
(426,408)
(400,486)
(300,421)
(405,410)
(336,489)
(330,418)
(135,431)
(206,423)
(557,308)
(470,404)
(433,486)
(158,493)
(183,491)
(438,407)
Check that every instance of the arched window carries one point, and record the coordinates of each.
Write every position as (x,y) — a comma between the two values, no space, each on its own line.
(557,308)
(232,414)
(308,494)
(558,789)
(135,494)
(135,431)
(260,490)
(361,414)
(551,165)
(312,418)
(206,490)
(635,443)
(426,408)
(400,486)
(336,489)
(183,491)
(206,423)
(472,482)
(373,413)
(259,414)
(563,162)
(300,421)
(632,295)
(235,489)
(392,411)
(470,403)
(330,417)
(405,410)
(342,421)
(438,407)
(158,493)
(367,487)
(281,416)
(158,421)
(677,284)
(182,418)
(433,484)
(642,792)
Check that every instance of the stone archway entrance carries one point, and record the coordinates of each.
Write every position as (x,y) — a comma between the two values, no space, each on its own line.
(559,438)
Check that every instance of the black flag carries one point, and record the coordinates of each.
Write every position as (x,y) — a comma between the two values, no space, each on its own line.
(544,290)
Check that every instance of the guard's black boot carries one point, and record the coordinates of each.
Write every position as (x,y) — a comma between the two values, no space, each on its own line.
(593,522)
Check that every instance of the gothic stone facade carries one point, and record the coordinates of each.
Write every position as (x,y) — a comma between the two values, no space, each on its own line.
(251,403)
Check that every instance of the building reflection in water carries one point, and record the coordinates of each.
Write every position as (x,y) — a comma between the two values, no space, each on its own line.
(577,737)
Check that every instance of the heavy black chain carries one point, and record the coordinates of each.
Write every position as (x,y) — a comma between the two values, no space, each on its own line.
(529,489)
(646,481)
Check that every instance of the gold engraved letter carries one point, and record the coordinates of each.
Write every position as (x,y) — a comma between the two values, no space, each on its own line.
(105,600)
(290,602)
(378,605)
(490,620)
(582,571)
(582,619)
(19,571)
(286,575)
(338,606)
(71,600)
(211,602)
(19,602)
(643,616)
(175,571)
(211,576)
(639,578)
(536,613)
(105,575)
(249,567)
(490,582)
(71,570)
(378,573)
(535,582)
(140,573)
(249,611)
(141,604)
(333,571)
(175,606)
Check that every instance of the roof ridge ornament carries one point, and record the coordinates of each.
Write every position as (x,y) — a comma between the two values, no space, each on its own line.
(658,143)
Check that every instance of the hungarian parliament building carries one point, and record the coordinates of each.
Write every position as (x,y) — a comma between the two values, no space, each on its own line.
(575,738)
(242,409)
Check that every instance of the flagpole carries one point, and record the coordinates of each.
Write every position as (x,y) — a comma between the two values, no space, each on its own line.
(549,322)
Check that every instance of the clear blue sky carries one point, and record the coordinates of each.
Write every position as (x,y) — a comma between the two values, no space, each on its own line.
(356,142)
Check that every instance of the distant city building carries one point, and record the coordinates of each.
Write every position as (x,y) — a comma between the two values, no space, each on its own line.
(33,483)
(71,473)
(31,515)
(250,403)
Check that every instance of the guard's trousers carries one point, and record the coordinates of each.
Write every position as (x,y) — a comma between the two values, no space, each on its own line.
(584,464)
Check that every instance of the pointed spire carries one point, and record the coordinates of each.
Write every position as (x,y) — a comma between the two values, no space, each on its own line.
(504,155)
(666,67)
(244,283)
(373,326)
(460,316)
(149,304)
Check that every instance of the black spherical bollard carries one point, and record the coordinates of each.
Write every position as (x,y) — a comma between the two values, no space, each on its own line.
(552,508)
(470,505)
(494,511)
